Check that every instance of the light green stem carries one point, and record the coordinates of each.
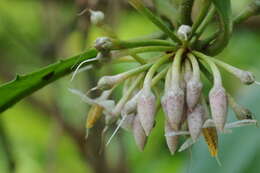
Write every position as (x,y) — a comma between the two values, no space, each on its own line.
(151,72)
(176,67)
(201,16)
(195,66)
(214,68)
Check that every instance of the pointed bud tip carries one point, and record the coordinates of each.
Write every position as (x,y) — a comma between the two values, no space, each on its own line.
(146,110)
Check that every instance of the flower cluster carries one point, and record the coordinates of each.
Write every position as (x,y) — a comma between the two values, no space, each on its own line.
(171,81)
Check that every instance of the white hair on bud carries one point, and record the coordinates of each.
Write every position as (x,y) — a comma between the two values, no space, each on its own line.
(116,130)
(188,143)
(77,69)
(183,31)
(241,123)
(96,17)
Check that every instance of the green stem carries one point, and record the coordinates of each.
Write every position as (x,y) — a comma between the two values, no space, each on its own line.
(127,52)
(203,25)
(138,59)
(151,72)
(159,76)
(195,66)
(118,44)
(199,19)
(185,12)
(214,68)
(22,86)
(156,20)
(176,67)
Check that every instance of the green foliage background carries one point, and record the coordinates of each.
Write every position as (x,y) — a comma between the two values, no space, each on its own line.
(38,143)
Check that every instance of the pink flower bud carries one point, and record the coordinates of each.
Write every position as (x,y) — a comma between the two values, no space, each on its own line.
(172,141)
(218,106)
(193,92)
(146,110)
(173,105)
(128,122)
(195,121)
(139,134)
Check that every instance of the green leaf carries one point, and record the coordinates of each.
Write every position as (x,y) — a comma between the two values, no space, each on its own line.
(224,12)
(22,86)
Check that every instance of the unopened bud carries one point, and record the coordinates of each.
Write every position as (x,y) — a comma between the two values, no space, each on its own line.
(131,105)
(128,122)
(103,44)
(173,105)
(172,141)
(107,82)
(139,134)
(183,31)
(193,92)
(247,77)
(146,109)
(218,105)
(96,17)
(195,121)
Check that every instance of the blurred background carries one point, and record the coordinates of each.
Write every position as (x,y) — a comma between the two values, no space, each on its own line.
(45,132)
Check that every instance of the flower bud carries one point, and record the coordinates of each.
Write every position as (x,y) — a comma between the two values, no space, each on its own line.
(103,43)
(193,92)
(195,121)
(131,105)
(107,82)
(247,77)
(183,31)
(218,106)
(146,109)
(128,122)
(96,17)
(139,134)
(173,104)
(172,141)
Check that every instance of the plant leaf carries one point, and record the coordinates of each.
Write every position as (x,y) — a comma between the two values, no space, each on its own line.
(22,86)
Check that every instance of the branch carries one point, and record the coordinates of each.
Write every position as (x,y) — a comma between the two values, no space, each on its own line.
(22,86)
